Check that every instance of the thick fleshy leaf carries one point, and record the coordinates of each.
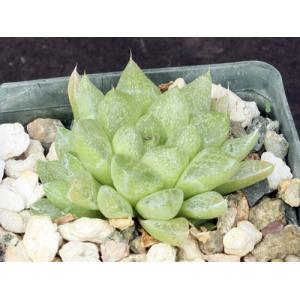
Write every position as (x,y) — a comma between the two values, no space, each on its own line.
(167,162)
(93,148)
(112,205)
(57,194)
(73,166)
(151,131)
(239,148)
(46,208)
(209,169)
(188,141)
(128,141)
(174,232)
(132,179)
(72,90)
(134,82)
(50,170)
(63,141)
(198,94)
(116,110)
(171,111)
(87,98)
(250,172)
(213,127)
(208,205)
(162,205)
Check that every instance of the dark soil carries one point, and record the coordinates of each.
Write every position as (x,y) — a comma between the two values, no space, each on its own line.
(33,58)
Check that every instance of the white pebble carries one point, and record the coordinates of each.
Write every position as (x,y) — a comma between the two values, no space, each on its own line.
(86,230)
(16,253)
(114,250)
(242,239)
(281,170)
(35,147)
(161,253)
(221,257)
(13,139)
(52,155)
(10,198)
(79,251)
(2,166)
(238,109)
(41,239)
(289,191)
(179,83)
(189,250)
(12,221)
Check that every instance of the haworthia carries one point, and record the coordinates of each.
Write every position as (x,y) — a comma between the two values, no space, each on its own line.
(250,172)
(63,142)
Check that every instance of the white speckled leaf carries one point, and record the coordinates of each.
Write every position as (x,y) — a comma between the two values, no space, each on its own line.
(63,141)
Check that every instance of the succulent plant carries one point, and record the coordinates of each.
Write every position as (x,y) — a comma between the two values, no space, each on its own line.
(165,158)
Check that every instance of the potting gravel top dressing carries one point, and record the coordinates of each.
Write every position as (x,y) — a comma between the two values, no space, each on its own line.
(176,172)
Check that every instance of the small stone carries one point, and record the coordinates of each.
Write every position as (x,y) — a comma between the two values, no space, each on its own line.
(238,110)
(41,239)
(8,238)
(2,166)
(164,86)
(266,212)
(276,144)
(291,215)
(14,140)
(130,233)
(179,83)
(12,221)
(239,201)
(256,191)
(79,251)
(259,124)
(52,155)
(161,253)
(16,254)
(147,240)
(281,170)
(236,129)
(272,228)
(210,242)
(272,125)
(65,219)
(292,258)
(121,224)
(277,260)
(242,239)
(136,246)
(227,220)
(27,185)
(44,130)
(114,248)
(289,191)
(86,230)
(189,250)
(35,147)
(134,258)
(253,156)
(220,257)
(279,245)
(249,258)
(2,252)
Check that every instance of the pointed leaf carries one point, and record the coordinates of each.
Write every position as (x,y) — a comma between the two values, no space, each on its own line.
(116,110)
(112,205)
(209,169)
(167,162)
(239,148)
(63,141)
(133,81)
(208,205)
(46,208)
(72,90)
(93,148)
(171,111)
(213,127)
(151,131)
(128,141)
(50,170)
(174,232)
(162,205)
(198,94)
(250,172)
(132,179)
